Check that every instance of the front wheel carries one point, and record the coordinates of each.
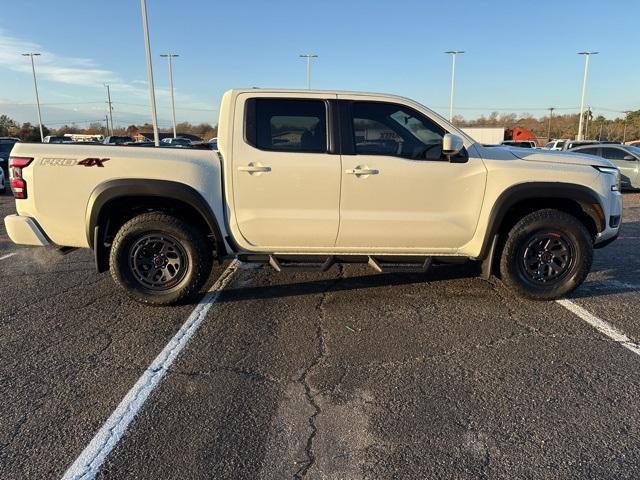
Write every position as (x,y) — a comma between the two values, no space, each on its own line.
(159,259)
(547,254)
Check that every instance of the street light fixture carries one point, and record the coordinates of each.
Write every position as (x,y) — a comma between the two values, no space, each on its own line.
(308,56)
(35,84)
(170,57)
(454,54)
(587,55)
(152,90)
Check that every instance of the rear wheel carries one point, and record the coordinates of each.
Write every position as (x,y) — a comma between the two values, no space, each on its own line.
(547,254)
(159,259)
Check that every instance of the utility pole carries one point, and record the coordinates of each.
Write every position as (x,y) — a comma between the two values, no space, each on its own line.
(308,56)
(551,109)
(454,54)
(624,130)
(170,57)
(152,90)
(110,108)
(35,84)
(587,55)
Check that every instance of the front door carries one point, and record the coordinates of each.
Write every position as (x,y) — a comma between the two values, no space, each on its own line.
(286,186)
(399,194)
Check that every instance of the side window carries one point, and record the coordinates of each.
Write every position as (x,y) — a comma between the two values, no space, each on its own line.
(613,153)
(389,129)
(286,125)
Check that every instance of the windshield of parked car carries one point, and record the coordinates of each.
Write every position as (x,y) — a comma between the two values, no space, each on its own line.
(635,150)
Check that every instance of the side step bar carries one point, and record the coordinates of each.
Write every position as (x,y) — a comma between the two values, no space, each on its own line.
(379,264)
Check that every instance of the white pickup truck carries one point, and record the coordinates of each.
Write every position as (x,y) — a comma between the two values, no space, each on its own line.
(314,178)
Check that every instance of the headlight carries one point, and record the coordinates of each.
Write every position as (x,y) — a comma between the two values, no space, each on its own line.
(611,171)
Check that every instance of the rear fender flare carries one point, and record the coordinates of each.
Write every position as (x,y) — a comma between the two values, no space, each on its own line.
(121,188)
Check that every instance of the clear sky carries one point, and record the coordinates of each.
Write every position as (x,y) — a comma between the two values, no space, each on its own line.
(520,56)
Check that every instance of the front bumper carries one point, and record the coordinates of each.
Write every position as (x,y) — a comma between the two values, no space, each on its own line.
(613,215)
(25,231)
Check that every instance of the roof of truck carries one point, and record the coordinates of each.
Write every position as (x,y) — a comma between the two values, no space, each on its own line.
(322,92)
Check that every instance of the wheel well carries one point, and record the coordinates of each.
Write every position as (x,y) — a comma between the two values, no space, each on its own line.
(116,212)
(587,214)
(591,216)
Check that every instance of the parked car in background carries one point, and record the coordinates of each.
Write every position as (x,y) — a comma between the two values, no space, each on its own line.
(139,144)
(213,143)
(117,140)
(625,157)
(570,144)
(6,145)
(177,142)
(519,143)
(3,185)
(555,144)
(57,139)
(635,143)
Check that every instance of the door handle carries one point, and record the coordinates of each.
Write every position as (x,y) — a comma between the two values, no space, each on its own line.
(252,168)
(362,171)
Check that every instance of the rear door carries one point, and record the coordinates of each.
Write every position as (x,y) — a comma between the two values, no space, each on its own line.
(399,194)
(286,184)
(628,168)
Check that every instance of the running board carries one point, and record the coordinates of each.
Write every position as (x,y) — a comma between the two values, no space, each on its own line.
(380,264)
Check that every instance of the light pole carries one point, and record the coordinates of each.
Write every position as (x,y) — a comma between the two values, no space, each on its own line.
(454,54)
(110,107)
(624,130)
(308,56)
(586,122)
(170,57)
(152,90)
(584,90)
(551,109)
(35,84)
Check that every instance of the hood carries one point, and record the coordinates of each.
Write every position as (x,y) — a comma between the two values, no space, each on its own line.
(554,156)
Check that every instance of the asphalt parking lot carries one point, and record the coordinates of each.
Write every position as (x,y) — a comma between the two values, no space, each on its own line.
(339,375)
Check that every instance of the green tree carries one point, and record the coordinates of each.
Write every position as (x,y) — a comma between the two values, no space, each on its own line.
(31,133)
(6,125)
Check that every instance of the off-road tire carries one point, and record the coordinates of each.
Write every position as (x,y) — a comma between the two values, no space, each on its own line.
(187,242)
(568,233)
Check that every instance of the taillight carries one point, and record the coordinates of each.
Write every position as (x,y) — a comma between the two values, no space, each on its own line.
(18,184)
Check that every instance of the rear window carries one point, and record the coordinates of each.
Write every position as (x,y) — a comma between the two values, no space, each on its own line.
(287,125)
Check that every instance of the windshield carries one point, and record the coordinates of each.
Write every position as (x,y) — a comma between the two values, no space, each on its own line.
(635,150)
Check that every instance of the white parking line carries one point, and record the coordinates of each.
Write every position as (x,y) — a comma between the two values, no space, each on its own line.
(8,255)
(91,459)
(603,327)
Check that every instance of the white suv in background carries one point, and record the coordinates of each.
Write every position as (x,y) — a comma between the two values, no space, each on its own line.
(555,144)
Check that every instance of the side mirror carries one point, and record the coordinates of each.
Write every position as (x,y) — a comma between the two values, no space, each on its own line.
(451,144)
(630,158)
